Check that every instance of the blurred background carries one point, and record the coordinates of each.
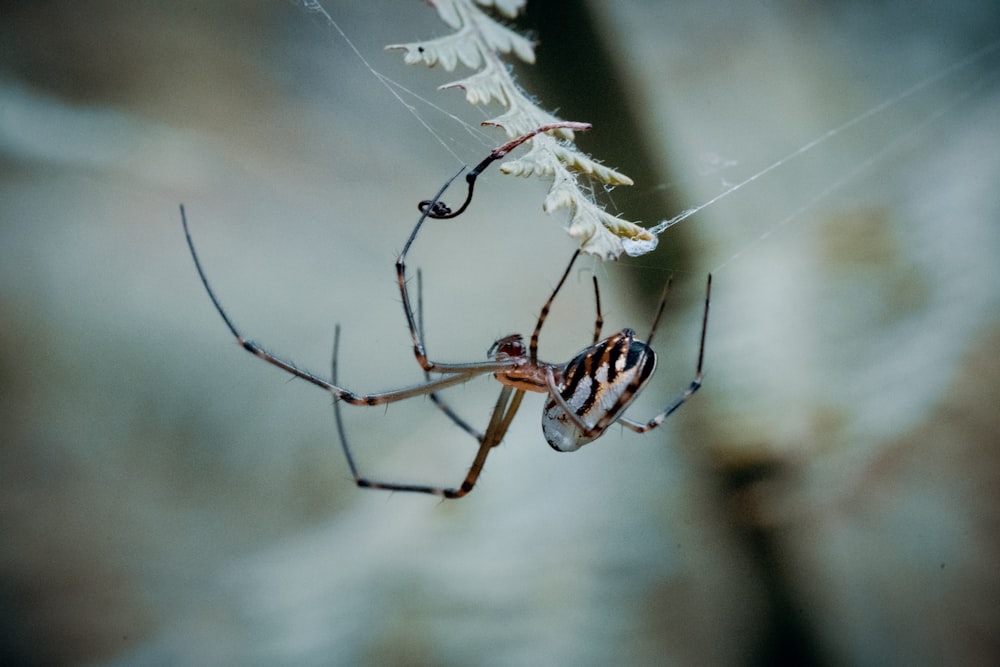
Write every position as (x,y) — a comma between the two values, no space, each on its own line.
(829,497)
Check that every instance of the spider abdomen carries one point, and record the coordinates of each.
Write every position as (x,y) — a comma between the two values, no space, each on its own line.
(597,386)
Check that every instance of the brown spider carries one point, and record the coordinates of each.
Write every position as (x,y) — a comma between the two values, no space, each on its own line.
(585,395)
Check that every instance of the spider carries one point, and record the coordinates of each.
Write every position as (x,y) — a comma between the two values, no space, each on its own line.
(585,396)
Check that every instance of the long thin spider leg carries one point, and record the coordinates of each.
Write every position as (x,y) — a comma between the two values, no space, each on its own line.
(452,415)
(423,216)
(512,408)
(435,208)
(360,481)
(364,482)
(599,321)
(438,401)
(533,343)
(419,350)
(659,310)
(455,375)
(503,414)
(662,417)
(338,418)
(695,383)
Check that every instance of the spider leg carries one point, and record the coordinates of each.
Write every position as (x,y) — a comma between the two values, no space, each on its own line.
(503,414)
(455,375)
(438,401)
(599,321)
(435,208)
(337,416)
(453,416)
(695,383)
(533,343)
(660,309)
(419,350)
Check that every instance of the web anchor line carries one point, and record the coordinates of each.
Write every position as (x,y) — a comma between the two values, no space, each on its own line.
(967,61)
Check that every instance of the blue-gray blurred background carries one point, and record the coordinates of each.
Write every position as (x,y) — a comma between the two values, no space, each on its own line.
(829,497)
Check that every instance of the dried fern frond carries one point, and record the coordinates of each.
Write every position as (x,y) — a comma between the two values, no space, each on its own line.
(477,43)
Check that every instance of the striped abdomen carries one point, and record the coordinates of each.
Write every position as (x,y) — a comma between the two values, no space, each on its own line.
(597,385)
